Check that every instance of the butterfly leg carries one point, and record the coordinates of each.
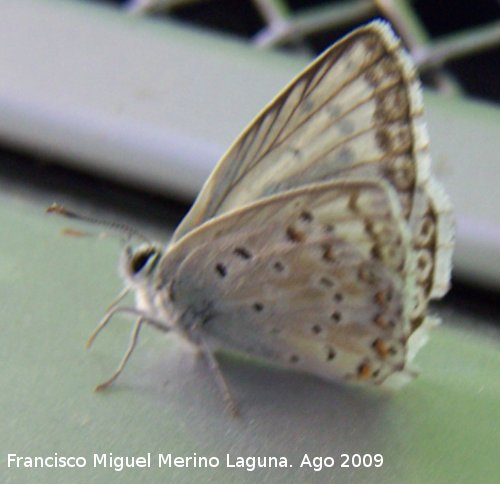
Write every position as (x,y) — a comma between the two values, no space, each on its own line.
(143,318)
(133,342)
(219,378)
(104,321)
(119,298)
(113,310)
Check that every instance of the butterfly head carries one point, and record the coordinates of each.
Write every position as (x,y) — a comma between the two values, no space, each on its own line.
(139,262)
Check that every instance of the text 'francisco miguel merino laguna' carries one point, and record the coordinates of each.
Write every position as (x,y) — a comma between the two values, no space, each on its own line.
(119,463)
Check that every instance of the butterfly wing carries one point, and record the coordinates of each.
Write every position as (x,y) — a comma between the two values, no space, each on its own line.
(319,278)
(354,112)
(356,109)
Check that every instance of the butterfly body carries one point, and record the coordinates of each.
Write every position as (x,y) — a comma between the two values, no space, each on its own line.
(321,236)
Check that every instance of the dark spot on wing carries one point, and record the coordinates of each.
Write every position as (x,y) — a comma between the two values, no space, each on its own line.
(336,316)
(258,307)
(278,266)
(221,269)
(243,253)
(326,281)
(328,253)
(294,235)
(330,355)
(306,216)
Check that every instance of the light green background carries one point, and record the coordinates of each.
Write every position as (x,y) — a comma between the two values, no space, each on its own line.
(444,427)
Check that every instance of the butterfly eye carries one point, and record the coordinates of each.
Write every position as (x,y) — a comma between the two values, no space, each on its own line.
(141,259)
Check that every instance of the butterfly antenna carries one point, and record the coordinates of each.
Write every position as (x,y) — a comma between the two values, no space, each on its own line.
(118,226)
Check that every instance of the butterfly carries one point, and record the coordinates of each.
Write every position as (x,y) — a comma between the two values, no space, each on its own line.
(321,235)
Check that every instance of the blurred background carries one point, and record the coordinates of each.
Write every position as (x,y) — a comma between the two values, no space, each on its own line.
(121,110)
(146,95)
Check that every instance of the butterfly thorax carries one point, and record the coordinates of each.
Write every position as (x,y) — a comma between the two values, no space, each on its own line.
(147,271)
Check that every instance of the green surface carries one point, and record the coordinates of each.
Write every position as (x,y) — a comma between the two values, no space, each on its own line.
(444,427)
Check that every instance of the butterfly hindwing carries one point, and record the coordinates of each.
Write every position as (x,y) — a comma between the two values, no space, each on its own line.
(319,278)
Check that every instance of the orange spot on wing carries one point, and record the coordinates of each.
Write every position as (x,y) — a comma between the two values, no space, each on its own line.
(380,346)
(328,254)
(381,298)
(364,371)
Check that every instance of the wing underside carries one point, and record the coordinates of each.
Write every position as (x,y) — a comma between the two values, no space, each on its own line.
(320,279)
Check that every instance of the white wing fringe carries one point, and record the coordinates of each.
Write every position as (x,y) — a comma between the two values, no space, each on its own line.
(416,340)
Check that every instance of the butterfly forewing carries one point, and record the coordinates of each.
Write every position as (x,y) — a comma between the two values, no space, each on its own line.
(354,108)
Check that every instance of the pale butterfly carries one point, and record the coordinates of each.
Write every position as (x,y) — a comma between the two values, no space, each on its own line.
(320,237)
